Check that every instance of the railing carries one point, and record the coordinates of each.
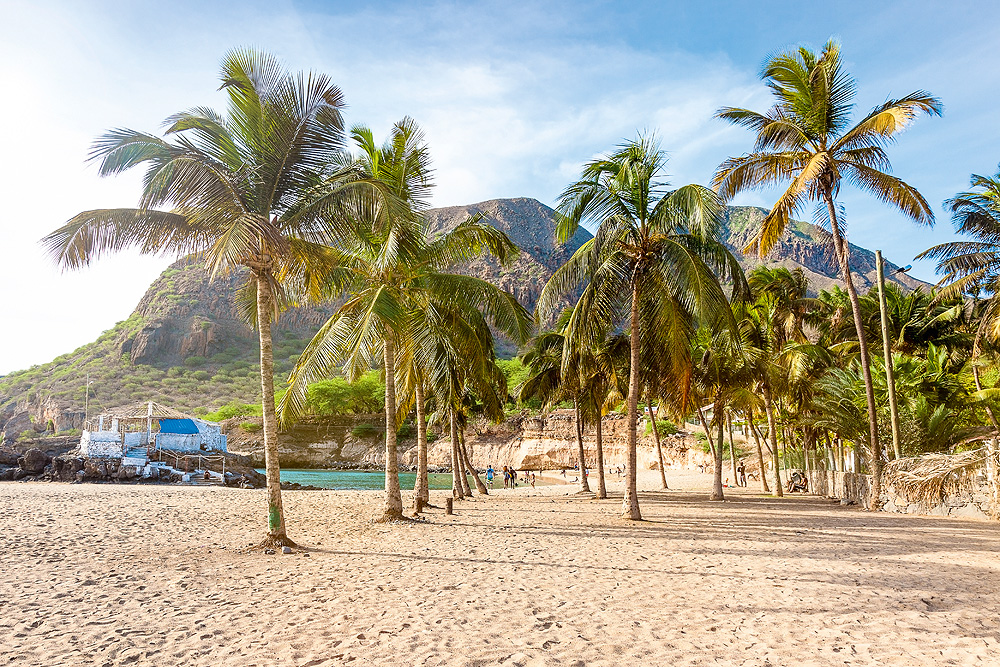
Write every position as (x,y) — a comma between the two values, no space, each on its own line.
(199,459)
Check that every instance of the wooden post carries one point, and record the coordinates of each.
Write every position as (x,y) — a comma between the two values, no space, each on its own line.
(449,505)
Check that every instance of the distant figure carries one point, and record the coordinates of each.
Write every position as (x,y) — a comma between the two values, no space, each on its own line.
(513,478)
(798,482)
(506,477)
(564,473)
(532,480)
(489,475)
(741,473)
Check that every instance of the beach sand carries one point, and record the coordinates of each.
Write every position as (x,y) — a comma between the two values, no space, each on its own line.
(157,575)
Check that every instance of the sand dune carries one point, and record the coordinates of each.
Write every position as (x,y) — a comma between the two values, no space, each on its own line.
(156,575)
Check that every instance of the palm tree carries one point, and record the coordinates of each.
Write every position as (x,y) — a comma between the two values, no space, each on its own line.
(806,138)
(253,189)
(552,378)
(397,289)
(973,268)
(653,260)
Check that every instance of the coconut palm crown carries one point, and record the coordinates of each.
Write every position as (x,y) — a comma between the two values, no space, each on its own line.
(807,141)
(251,189)
(402,305)
(654,262)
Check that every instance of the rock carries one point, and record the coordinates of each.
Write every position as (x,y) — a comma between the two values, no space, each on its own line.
(269,552)
(15,426)
(969,511)
(33,461)
(286,550)
(8,457)
(80,476)
(8,474)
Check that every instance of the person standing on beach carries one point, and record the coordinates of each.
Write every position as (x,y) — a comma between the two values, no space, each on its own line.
(532,480)
(489,475)
(741,475)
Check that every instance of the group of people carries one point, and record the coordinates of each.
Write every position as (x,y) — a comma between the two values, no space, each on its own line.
(510,477)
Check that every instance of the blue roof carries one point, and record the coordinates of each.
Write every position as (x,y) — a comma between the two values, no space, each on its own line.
(182,426)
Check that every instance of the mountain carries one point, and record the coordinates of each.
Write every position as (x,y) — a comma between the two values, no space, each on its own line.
(806,246)
(186,346)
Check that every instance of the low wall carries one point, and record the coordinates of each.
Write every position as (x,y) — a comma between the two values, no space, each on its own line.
(101,444)
(974,502)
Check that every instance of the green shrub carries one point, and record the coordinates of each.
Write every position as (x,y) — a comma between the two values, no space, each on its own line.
(663,426)
(176,371)
(337,396)
(406,430)
(251,426)
(201,376)
(26,435)
(235,409)
(195,361)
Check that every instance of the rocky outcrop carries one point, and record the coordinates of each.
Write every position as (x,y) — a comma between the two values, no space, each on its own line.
(524,442)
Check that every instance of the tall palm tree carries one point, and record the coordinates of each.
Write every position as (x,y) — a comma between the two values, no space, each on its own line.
(654,262)
(398,290)
(806,138)
(257,189)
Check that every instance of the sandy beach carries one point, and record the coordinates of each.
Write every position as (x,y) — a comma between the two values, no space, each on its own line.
(159,575)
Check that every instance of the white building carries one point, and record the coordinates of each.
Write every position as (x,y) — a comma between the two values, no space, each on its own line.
(136,430)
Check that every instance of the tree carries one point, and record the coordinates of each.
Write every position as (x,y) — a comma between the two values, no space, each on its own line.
(398,290)
(253,189)
(806,138)
(653,262)
(553,378)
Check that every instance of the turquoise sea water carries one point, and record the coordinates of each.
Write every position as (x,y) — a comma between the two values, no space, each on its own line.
(358,479)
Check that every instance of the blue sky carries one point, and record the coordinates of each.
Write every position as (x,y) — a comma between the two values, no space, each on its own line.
(514,97)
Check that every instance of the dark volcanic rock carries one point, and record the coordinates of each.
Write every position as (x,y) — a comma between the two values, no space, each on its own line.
(34,461)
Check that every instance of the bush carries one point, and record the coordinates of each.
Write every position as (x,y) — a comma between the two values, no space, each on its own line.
(406,430)
(26,435)
(234,409)
(200,376)
(663,426)
(176,372)
(251,426)
(194,362)
(339,397)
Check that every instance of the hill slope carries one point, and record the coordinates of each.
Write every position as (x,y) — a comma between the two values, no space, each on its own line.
(185,346)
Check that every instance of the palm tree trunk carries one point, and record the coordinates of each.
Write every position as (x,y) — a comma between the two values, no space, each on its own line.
(874,446)
(275,512)
(602,489)
(760,452)
(393,509)
(584,484)
(464,451)
(772,437)
(630,501)
(456,466)
(659,449)
(463,478)
(719,415)
(421,492)
(732,447)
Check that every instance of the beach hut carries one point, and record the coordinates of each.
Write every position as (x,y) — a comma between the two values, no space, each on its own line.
(135,430)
